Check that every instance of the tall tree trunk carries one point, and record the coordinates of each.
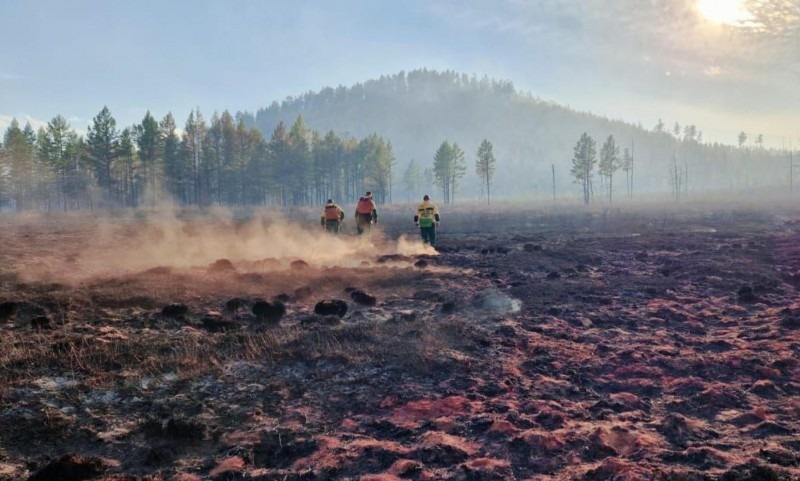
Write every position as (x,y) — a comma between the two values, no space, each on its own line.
(632,157)
(610,186)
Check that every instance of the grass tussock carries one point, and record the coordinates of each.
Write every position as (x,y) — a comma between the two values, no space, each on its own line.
(415,347)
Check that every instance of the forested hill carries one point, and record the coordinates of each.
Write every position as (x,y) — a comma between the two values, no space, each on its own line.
(418,110)
(382,135)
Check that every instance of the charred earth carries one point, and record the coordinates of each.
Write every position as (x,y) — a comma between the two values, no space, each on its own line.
(538,345)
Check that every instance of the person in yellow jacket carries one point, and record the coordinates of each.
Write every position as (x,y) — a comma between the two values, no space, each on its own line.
(366,213)
(427,218)
(332,217)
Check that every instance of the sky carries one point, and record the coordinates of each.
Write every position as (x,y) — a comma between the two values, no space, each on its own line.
(725,66)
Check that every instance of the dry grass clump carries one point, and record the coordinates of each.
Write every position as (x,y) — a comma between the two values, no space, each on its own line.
(413,346)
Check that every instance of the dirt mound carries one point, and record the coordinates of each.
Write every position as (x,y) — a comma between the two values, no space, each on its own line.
(221,266)
(299,265)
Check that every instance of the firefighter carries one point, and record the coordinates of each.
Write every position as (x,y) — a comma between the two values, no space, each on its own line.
(427,218)
(366,213)
(332,217)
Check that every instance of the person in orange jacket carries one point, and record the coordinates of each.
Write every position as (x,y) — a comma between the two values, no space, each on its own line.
(332,217)
(366,213)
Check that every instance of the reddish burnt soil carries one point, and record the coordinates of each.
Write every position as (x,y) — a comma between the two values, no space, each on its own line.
(631,346)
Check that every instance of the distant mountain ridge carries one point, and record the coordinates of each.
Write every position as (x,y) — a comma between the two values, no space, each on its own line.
(418,110)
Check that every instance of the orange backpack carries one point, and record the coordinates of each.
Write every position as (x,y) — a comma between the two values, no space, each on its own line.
(331,212)
(364,206)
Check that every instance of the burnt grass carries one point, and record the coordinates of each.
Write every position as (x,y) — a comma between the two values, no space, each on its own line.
(537,345)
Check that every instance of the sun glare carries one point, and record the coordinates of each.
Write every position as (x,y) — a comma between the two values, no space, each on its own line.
(727,12)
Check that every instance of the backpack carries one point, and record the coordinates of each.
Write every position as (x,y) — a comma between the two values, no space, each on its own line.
(364,206)
(331,212)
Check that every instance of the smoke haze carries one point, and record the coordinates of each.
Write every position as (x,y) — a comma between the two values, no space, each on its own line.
(132,244)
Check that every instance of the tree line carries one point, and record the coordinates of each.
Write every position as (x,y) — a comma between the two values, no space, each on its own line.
(685,150)
(219,162)
(610,161)
(449,166)
(288,160)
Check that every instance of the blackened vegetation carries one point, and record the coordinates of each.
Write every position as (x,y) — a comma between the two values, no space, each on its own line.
(331,307)
(361,297)
(175,310)
(639,360)
(282,298)
(746,294)
(70,467)
(235,304)
(280,448)
(217,323)
(7,309)
(175,428)
(271,312)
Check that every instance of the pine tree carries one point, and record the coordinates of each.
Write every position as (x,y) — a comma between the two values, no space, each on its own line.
(53,145)
(192,156)
(227,188)
(459,169)
(742,139)
(102,142)
(127,158)
(299,158)
(609,163)
(328,170)
(627,167)
(278,151)
(148,139)
(675,178)
(18,156)
(259,169)
(690,133)
(413,179)
(77,176)
(177,176)
(377,166)
(484,166)
(449,165)
(352,167)
(242,147)
(583,162)
(443,169)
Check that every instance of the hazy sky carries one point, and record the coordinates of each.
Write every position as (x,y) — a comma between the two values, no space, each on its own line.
(723,65)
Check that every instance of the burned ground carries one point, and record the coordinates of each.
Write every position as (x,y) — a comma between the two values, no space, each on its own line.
(547,346)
